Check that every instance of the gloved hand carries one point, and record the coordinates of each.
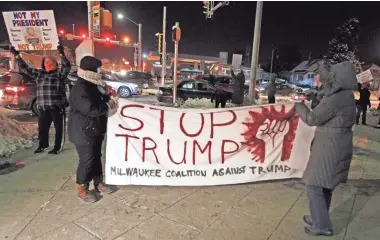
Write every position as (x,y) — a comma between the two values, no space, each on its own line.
(113,103)
(60,49)
(14,51)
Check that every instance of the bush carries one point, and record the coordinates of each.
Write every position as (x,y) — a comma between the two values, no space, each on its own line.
(10,145)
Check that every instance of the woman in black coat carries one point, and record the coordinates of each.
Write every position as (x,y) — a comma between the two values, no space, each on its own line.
(90,104)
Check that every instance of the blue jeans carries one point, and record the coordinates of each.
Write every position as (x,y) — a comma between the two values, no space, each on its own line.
(319,205)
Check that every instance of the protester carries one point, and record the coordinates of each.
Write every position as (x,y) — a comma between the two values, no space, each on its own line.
(331,149)
(90,103)
(363,102)
(272,87)
(51,97)
(238,87)
(220,97)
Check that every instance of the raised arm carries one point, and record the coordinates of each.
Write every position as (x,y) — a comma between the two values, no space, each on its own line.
(65,64)
(23,66)
(319,116)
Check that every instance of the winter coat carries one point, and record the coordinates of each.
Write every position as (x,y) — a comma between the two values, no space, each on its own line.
(88,113)
(364,100)
(271,88)
(334,116)
(238,86)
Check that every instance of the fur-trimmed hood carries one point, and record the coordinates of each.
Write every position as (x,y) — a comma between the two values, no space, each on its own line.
(91,77)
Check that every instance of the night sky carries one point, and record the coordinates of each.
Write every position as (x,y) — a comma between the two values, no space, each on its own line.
(309,25)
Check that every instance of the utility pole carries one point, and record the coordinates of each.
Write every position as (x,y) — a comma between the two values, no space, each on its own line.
(176,39)
(140,47)
(74,29)
(163,65)
(90,30)
(255,52)
(271,61)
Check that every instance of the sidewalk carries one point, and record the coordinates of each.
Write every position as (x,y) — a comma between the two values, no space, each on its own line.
(39,201)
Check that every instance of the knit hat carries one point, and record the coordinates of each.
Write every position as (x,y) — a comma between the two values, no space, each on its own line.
(89,63)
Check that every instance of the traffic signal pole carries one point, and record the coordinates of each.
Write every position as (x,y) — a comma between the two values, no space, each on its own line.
(163,64)
(176,40)
(255,52)
(140,48)
(90,28)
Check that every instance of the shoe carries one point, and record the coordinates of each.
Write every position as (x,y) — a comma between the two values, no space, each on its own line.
(39,150)
(307,220)
(101,187)
(54,151)
(84,193)
(319,232)
(364,123)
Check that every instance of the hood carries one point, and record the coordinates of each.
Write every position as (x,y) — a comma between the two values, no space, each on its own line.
(338,77)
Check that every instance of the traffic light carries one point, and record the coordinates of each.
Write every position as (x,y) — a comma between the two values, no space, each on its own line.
(176,34)
(159,43)
(84,36)
(107,39)
(207,7)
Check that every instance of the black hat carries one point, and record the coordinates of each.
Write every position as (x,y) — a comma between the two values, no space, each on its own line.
(89,63)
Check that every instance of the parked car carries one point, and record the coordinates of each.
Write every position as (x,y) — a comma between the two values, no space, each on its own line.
(143,79)
(4,80)
(20,92)
(192,88)
(124,89)
(298,96)
(225,82)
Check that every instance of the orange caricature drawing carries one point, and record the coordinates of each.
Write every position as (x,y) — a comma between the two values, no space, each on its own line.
(31,36)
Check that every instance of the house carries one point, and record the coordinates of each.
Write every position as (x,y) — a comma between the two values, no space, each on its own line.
(304,73)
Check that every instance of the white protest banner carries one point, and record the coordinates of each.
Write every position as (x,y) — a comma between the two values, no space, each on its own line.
(32,30)
(149,145)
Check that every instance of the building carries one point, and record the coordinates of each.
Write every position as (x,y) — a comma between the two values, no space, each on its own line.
(304,73)
(184,61)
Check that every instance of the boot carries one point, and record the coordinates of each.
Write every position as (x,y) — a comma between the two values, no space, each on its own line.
(307,220)
(100,186)
(84,193)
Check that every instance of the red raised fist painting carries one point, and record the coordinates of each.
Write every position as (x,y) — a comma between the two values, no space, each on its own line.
(270,133)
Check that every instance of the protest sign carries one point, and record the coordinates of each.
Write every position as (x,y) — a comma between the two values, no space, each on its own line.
(149,145)
(31,30)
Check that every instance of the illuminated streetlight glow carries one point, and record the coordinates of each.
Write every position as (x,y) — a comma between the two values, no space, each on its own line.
(126,39)
(61,32)
(144,55)
(126,63)
(120,16)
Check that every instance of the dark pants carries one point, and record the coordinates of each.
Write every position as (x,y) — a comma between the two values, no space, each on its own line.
(319,205)
(90,162)
(361,109)
(56,115)
(271,99)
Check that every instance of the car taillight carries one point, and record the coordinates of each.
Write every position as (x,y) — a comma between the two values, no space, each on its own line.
(14,89)
(112,92)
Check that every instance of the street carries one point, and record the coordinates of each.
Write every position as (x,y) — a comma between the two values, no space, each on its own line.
(38,201)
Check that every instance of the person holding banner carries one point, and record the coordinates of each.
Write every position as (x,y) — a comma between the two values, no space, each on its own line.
(90,104)
(331,149)
(51,97)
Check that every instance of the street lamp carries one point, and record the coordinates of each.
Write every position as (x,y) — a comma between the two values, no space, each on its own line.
(126,39)
(144,55)
(121,16)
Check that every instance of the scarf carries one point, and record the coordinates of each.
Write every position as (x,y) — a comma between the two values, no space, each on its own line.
(91,77)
